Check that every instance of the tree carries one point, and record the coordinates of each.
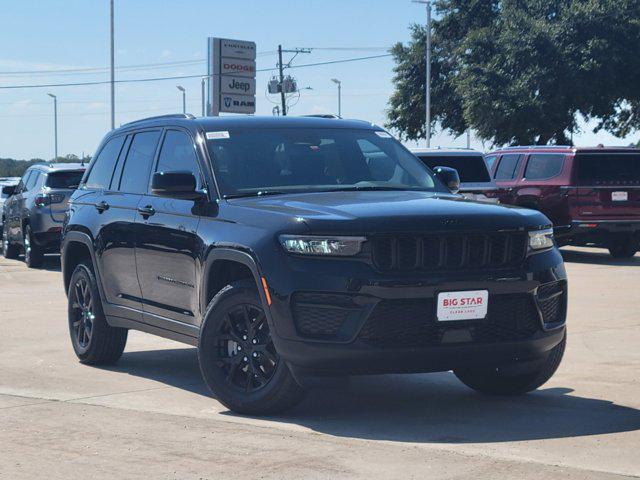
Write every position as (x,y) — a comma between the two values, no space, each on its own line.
(522,71)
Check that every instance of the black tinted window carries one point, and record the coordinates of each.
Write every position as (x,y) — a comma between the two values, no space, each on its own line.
(178,154)
(507,167)
(608,168)
(102,169)
(542,166)
(471,168)
(490,160)
(64,179)
(135,175)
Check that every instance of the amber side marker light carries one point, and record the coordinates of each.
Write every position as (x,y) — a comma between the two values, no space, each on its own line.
(266,290)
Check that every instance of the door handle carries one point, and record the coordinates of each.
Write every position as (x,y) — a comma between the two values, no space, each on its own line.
(146,211)
(102,206)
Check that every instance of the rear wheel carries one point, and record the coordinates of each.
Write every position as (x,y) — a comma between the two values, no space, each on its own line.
(496,381)
(33,254)
(9,250)
(94,341)
(624,248)
(238,360)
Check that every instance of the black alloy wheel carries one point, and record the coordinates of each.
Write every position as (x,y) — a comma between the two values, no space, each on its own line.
(83,314)
(245,351)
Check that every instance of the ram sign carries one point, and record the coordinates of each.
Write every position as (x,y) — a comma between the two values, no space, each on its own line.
(232,76)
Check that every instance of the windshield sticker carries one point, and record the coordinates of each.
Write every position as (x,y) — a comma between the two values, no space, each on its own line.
(383,134)
(217,135)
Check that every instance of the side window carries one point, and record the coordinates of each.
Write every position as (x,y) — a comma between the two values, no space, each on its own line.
(543,166)
(490,161)
(507,167)
(135,174)
(178,154)
(32,180)
(102,169)
(22,186)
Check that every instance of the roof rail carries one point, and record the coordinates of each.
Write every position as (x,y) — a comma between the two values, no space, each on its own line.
(186,116)
(533,147)
(321,115)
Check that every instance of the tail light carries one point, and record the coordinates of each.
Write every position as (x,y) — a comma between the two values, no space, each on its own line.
(48,199)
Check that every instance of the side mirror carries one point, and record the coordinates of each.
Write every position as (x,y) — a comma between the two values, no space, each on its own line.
(448,176)
(175,185)
(9,190)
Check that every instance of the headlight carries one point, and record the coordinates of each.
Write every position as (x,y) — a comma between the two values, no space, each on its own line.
(541,239)
(311,245)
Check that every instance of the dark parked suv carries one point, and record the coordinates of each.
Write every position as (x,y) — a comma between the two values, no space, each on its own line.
(592,195)
(288,249)
(35,210)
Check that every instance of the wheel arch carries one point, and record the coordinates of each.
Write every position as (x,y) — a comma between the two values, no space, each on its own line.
(215,277)
(77,246)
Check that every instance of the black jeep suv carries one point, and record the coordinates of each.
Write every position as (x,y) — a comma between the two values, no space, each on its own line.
(288,249)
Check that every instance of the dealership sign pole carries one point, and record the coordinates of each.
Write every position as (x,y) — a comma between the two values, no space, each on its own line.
(231,76)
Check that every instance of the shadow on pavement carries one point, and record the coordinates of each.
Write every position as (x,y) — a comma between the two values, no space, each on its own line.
(598,257)
(433,408)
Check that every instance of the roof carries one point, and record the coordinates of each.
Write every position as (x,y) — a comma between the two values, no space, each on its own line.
(568,149)
(445,151)
(59,167)
(250,121)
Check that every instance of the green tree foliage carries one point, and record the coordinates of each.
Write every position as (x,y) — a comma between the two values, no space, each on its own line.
(10,167)
(522,71)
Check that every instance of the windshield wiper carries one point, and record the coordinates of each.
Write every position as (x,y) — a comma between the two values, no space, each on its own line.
(370,188)
(260,193)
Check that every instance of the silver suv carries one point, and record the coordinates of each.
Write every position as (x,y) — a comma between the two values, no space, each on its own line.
(32,216)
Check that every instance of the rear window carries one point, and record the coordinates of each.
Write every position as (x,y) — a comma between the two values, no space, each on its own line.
(608,168)
(64,179)
(471,168)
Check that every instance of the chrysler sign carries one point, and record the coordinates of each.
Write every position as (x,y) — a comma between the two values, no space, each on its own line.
(232,76)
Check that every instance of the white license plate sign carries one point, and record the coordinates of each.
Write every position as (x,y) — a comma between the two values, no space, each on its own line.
(619,196)
(469,305)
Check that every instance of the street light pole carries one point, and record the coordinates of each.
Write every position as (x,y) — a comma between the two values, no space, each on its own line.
(55,124)
(427,72)
(339,83)
(184,98)
(113,77)
(202,92)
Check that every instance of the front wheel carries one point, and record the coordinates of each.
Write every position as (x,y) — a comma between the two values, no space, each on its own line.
(494,381)
(33,254)
(624,248)
(94,340)
(237,358)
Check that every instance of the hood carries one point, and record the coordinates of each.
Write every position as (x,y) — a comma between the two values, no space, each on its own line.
(392,212)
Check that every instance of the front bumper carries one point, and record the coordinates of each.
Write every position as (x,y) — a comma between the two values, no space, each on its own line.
(327,322)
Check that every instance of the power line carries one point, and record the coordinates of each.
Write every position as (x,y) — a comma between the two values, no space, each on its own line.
(180,77)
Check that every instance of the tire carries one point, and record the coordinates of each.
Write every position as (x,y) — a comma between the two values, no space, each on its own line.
(237,358)
(94,341)
(33,254)
(495,382)
(9,250)
(624,248)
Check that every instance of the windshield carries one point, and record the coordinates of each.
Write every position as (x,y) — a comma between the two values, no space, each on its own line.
(471,168)
(262,161)
(65,179)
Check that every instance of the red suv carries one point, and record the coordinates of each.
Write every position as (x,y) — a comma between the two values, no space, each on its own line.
(592,195)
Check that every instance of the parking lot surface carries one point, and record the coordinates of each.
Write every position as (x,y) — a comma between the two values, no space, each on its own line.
(150,416)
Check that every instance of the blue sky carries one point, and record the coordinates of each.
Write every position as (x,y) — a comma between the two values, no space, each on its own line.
(69,34)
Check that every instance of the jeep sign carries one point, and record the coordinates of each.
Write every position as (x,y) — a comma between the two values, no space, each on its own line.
(231,76)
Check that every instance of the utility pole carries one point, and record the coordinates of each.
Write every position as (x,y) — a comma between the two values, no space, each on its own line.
(339,83)
(281,71)
(202,92)
(427,72)
(55,125)
(113,77)
(468,138)
(281,67)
